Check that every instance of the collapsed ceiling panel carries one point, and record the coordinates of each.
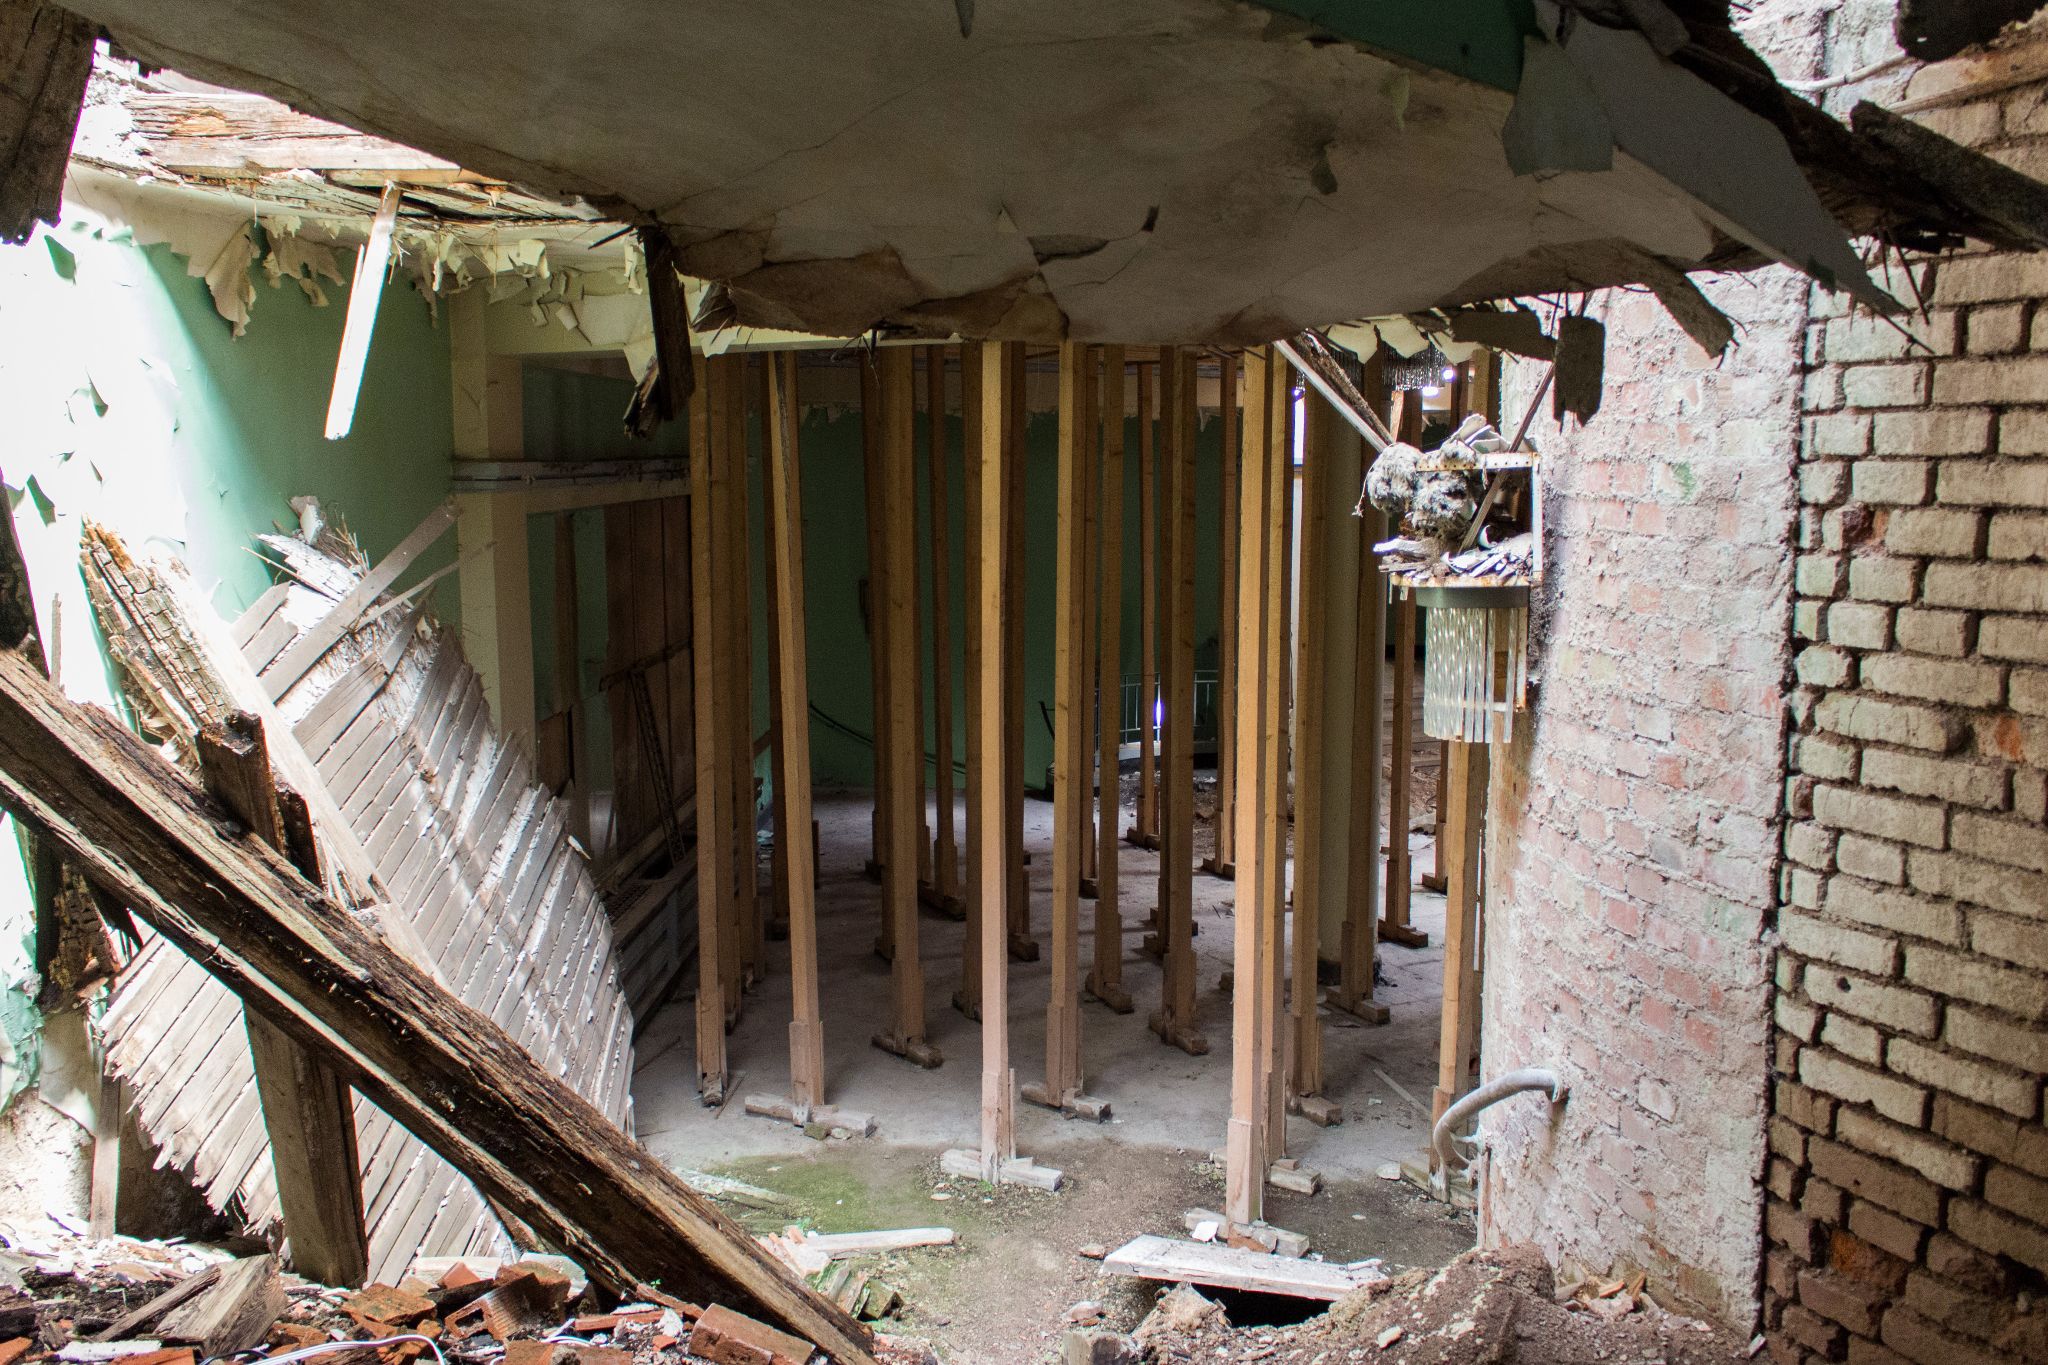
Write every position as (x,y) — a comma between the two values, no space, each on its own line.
(1156,170)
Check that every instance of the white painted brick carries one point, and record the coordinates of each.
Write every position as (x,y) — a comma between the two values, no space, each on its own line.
(2008,379)
(1806,621)
(1891,722)
(1873,954)
(1817,575)
(1884,386)
(1884,817)
(1900,482)
(1901,912)
(2021,431)
(2024,993)
(1800,887)
(1989,482)
(1835,1075)
(1956,1074)
(1989,1035)
(1860,336)
(1801,1021)
(1883,580)
(2011,842)
(1959,781)
(1934,431)
(1942,531)
(1895,1007)
(1872,859)
(1859,625)
(1822,389)
(1853,1038)
(2023,638)
(1927,631)
(1994,330)
(1910,1147)
(1987,587)
(2028,691)
(1955,681)
(1841,433)
(1963,878)
(1812,845)
(1822,666)
(1823,482)
(2017,535)
(1830,759)
(1990,278)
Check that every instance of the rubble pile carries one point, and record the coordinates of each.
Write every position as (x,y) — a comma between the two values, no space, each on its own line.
(1494,1306)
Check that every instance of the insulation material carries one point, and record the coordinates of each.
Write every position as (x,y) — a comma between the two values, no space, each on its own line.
(466,844)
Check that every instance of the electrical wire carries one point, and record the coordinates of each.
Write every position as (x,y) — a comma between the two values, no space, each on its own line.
(329,1347)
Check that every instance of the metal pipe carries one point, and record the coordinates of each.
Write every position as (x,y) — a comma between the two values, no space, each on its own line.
(1492,1093)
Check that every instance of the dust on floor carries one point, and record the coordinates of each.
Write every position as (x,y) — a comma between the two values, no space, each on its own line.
(1002,1294)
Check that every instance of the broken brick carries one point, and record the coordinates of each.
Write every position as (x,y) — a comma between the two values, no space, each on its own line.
(728,1338)
(519,1306)
(170,1355)
(383,1304)
(11,1351)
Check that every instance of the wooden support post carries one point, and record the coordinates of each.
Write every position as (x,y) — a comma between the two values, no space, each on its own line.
(1394,925)
(1261,565)
(778,749)
(1310,737)
(1023,946)
(980,896)
(1222,861)
(1144,830)
(1175,1020)
(872,481)
(1438,877)
(1085,603)
(905,1035)
(1357,951)
(105,1197)
(741,945)
(1105,981)
(527,1140)
(1276,761)
(910,656)
(989,367)
(569,677)
(945,859)
(308,1110)
(1072,750)
(1464,806)
(713,733)
(787,661)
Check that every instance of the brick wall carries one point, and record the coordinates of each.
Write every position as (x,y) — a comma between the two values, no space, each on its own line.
(1632,850)
(1907,1213)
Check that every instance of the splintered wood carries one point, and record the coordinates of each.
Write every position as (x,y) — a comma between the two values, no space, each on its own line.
(474,858)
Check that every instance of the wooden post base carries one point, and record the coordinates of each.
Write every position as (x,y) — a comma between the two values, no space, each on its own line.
(952,907)
(1023,948)
(1178,1035)
(817,1120)
(1073,1104)
(1090,890)
(1316,1109)
(1365,1009)
(969,1008)
(1018,1170)
(1407,935)
(1262,1235)
(909,1049)
(872,870)
(1432,881)
(711,1089)
(1289,1174)
(1151,946)
(1116,997)
(1225,871)
(1137,838)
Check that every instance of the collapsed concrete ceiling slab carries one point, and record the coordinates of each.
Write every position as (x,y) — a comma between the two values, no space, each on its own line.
(1153,170)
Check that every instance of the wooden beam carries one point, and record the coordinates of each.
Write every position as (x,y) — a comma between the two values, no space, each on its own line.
(1023,946)
(742,943)
(991,543)
(792,709)
(45,60)
(714,735)
(1311,710)
(1085,603)
(1464,806)
(905,1034)
(983,683)
(1394,925)
(373,259)
(308,1110)
(1222,861)
(443,1070)
(1175,1020)
(1357,950)
(1144,829)
(1105,981)
(341,618)
(945,857)
(1062,1086)
(872,485)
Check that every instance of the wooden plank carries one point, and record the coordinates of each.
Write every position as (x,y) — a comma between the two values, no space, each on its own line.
(324,634)
(1464,804)
(905,1033)
(307,1108)
(945,857)
(1311,665)
(714,849)
(1085,603)
(873,481)
(1105,979)
(373,260)
(974,357)
(1223,858)
(1394,924)
(744,945)
(1070,746)
(528,1139)
(1023,946)
(792,710)
(1175,1020)
(1145,828)
(989,681)
(1275,758)
(1357,951)
(1227,1267)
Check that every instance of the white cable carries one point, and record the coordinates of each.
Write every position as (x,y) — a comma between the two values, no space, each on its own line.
(1878,68)
(327,1347)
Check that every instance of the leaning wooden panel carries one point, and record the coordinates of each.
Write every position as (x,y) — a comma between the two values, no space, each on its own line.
(471,1091)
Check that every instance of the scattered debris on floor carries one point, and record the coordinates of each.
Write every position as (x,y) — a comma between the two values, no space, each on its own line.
(1493,1306)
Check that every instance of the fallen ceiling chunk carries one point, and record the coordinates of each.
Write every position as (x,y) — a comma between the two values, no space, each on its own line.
(484,1103)
(1227,1267)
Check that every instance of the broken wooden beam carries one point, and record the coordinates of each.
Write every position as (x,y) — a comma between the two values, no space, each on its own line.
(45,59)
(1227,1267)
(450,1075)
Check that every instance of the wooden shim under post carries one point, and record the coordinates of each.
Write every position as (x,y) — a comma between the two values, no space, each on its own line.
(1394,925)
(442,1069)
(1144,829)
(945,859)
(1464,805)
(308,1111)
(1105,981)
(1222,861)
(1022,945)
(1061,1088)
(905,1034)
(973,357)
(1175,1020)
(714,850)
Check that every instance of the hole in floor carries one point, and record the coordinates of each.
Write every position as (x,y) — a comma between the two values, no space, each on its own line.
(1248,1308)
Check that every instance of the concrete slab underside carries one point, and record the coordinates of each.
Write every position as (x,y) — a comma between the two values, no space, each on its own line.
(1162,1098)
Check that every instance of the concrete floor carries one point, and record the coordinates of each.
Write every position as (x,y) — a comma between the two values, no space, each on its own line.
(1162,1098)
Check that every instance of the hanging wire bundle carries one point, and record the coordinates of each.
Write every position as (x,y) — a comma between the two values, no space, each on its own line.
(1423,370)
(1475,671)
